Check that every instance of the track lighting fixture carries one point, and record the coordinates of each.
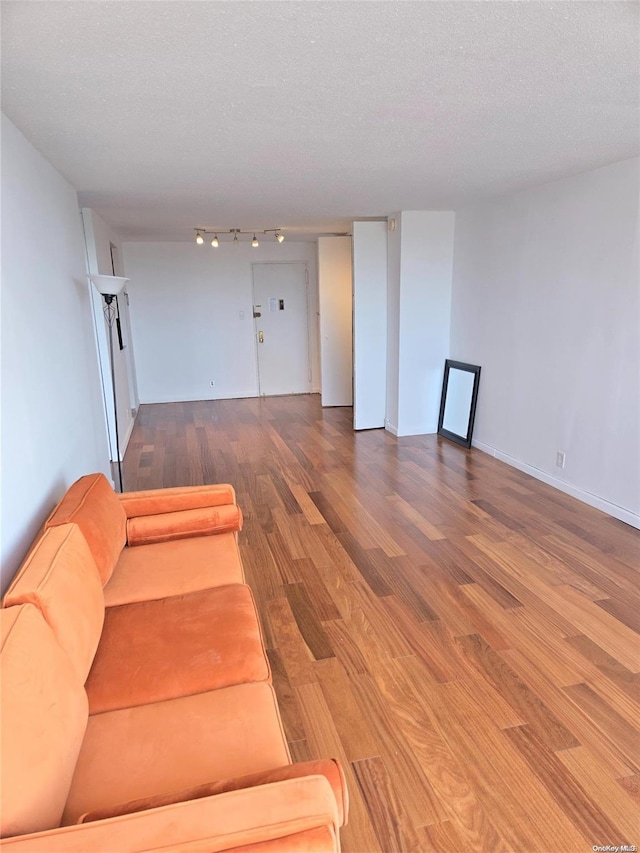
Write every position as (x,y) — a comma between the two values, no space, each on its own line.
(200,232)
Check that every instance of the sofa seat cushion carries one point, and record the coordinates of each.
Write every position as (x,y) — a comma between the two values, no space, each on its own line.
(92,504)
(171,647)
(174,568)
(163,747)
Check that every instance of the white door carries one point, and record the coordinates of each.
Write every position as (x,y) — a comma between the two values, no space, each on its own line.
(282,328)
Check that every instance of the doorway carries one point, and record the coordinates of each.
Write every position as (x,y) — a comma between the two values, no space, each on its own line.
(281,323)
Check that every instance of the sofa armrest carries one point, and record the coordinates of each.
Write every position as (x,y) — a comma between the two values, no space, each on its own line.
(277,812)
(155,501)
(328,767)
(159,515)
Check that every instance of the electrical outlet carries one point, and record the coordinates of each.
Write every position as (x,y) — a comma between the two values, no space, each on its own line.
(560,458)
(212,383)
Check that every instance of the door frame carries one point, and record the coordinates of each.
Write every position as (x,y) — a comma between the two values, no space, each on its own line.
(305,266)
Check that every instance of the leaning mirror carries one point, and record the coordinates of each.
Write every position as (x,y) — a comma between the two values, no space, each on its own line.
(458,402)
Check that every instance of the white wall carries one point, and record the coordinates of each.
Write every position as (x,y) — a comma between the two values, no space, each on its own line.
(369,324)
(185,303)
(335,279)
(546,300)
(420,276)
(53,428)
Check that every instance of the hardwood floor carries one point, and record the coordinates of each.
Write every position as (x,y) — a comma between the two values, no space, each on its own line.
(461,636)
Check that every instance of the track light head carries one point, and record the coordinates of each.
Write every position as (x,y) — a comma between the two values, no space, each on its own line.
(214,242)
(199,238)
(235,237)
(254,242)
(279,237)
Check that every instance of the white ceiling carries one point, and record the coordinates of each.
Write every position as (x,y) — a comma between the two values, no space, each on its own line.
(171,115)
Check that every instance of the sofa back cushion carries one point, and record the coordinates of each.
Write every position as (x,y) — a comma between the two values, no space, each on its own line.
(61,579)
(92,504)
(43,717)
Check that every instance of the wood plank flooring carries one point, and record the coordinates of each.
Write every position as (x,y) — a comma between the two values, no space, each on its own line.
(460,635)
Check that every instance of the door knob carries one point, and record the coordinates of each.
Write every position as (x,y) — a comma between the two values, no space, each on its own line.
(261,337)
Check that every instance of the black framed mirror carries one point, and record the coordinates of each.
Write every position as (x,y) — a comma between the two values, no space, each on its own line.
(458,401)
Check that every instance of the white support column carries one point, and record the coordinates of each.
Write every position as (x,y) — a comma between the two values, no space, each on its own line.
(420,265)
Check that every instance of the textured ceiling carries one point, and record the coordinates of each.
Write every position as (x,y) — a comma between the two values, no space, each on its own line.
(170,115)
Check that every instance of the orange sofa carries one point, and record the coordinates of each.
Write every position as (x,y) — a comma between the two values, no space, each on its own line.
(137,707)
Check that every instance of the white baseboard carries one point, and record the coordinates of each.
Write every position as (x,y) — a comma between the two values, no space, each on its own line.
(191,399)
(609,508)
(125,442)
(421,429)
(418,429)
(161,398)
